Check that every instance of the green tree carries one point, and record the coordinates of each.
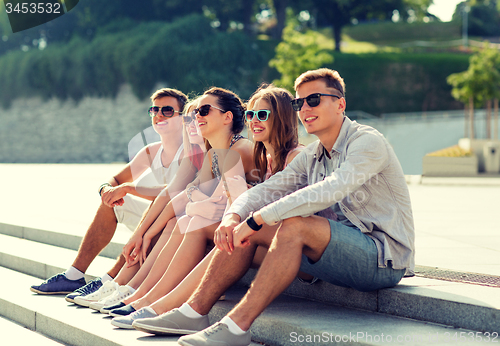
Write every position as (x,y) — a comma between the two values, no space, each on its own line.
(297,53)
(479,85)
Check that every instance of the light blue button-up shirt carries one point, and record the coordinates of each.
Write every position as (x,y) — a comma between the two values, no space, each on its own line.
(361,179)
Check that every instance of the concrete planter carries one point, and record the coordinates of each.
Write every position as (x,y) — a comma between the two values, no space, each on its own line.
(443,166)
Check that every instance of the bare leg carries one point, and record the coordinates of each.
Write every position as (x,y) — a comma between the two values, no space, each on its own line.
(183,291)
(186,288)
(188,255)
(153,211)
(120,261)
(163,260)
(98,235)
(224,270)
(296,236)
(143,272)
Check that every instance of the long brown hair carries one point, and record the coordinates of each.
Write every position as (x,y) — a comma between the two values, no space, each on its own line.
(284,135)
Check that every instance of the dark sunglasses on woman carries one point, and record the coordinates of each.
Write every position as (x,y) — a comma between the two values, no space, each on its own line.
(261,115)
(167,111)
(312,100)
(205,109)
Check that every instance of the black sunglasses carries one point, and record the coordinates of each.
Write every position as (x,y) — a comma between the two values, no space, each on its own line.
(205,109)
(261,115)
(167,111)
(189,117)
(313,100)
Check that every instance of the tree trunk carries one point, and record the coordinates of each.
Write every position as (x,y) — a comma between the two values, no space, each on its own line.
(471,117)
(495,122)
(466,122)
(280,8)
(247,21)
(337,32)
(488,119)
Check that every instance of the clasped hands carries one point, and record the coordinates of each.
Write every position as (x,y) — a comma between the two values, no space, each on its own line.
(232,233)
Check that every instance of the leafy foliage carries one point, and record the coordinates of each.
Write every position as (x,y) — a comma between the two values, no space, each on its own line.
(187,54)
(480,81)
(297,53)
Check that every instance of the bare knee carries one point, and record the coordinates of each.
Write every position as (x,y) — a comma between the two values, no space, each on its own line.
(201,226)
(292,229)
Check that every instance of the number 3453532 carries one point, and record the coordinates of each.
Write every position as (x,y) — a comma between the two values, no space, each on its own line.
(33,8)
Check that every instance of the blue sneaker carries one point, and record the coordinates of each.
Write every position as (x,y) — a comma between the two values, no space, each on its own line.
(123,311)
(89,288)
(58,284)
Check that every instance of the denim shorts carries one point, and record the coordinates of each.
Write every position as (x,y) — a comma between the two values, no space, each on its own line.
(350,260)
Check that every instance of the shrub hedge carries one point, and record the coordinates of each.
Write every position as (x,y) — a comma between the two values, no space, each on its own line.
(389,82)
(190,55)
(187,54)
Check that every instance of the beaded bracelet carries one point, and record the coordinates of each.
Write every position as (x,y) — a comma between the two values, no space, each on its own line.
(190,191)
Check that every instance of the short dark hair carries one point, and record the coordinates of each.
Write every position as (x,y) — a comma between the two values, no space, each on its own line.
(331,77)
(168,92)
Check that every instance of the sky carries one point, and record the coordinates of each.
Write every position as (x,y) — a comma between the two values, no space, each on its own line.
(444,9)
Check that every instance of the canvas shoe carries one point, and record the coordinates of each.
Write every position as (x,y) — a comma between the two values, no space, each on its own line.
(106,290)
(121,293)
(89,288)
(216,335)
(172,322)
(58,284)
(109,308)
(122,311)
(125,322)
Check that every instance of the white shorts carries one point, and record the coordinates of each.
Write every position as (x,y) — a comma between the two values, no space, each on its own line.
(130,213)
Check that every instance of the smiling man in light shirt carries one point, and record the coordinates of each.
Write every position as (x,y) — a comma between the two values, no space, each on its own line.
(353,173)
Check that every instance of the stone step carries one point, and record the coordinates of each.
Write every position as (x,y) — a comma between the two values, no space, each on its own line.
(287,321)
(15,334)
(65,236)
(450,303)
(42,261)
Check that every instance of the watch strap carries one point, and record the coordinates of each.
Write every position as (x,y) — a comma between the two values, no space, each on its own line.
(252,224)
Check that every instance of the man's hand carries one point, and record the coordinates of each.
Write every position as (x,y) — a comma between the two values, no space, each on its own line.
(242,234)
(112,196)
(211,208)
(223,236)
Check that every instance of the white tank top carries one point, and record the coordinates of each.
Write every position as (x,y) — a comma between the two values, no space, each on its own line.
(159,174)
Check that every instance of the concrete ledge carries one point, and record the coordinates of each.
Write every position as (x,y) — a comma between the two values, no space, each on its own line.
(454,304)
(42,260)
(16,334)
(442,166)
(67,241)
(287,321)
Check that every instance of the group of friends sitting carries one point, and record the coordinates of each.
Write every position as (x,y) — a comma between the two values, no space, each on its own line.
(205,204)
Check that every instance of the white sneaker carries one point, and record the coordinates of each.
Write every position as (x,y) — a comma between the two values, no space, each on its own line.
(121,293)
(104,291)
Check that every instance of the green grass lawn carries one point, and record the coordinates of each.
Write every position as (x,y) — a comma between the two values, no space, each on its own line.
(392,37)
